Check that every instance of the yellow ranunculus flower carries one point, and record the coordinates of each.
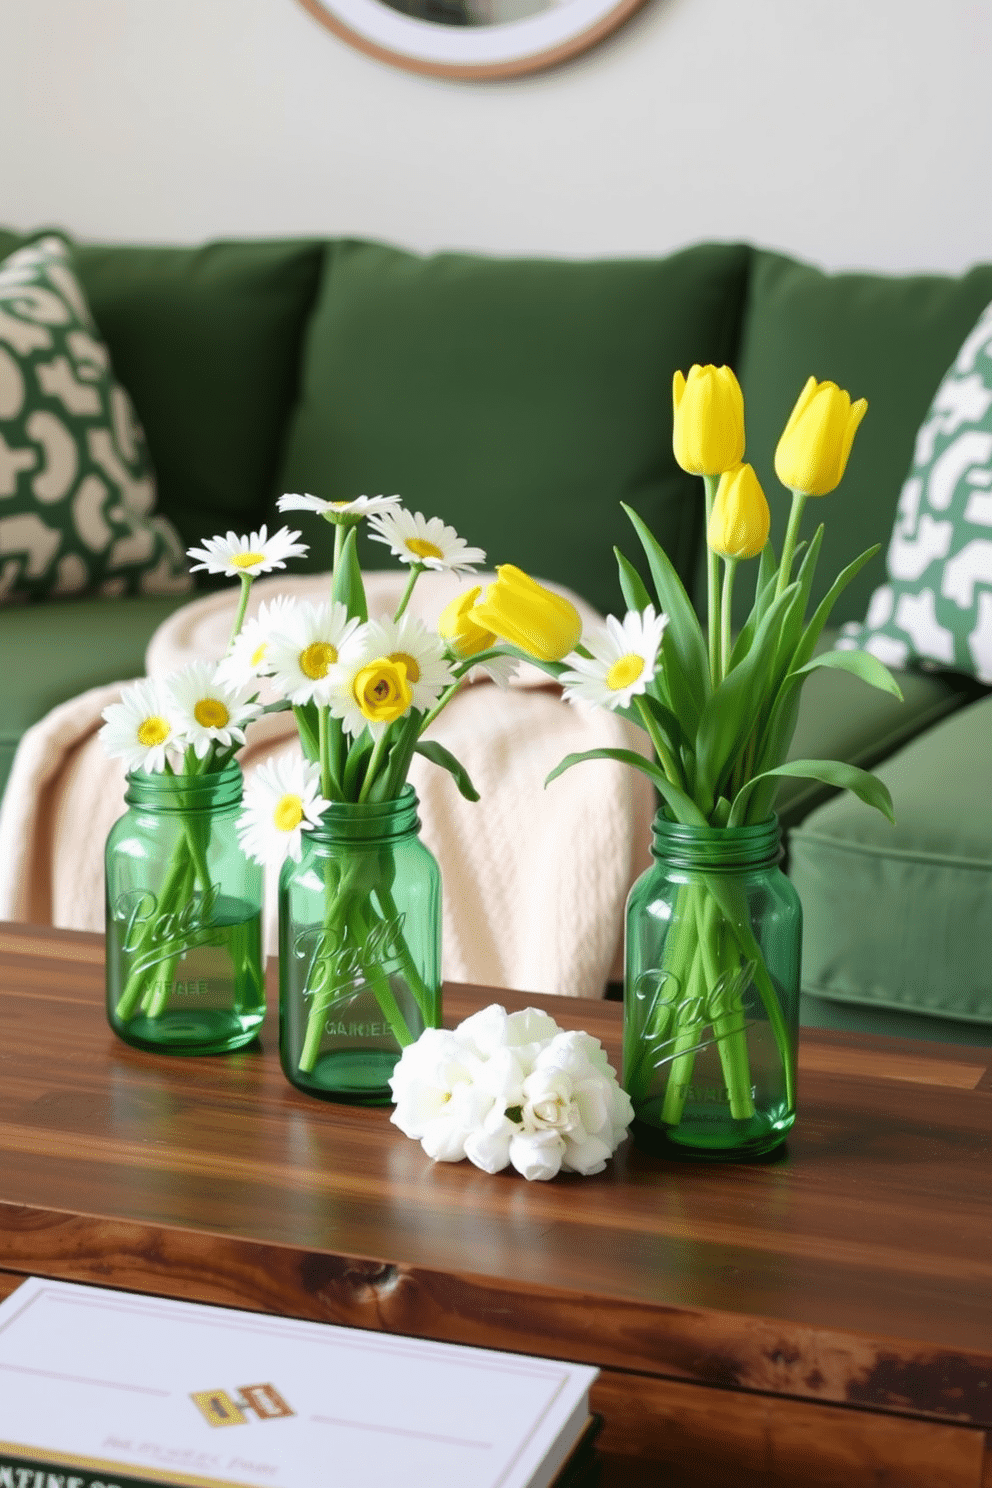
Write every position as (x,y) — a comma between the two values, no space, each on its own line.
(813,450)
(520,610)
(708,437)
(740,518)
(456,626)
(382,691)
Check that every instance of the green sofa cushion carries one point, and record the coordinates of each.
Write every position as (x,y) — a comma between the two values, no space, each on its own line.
(207,342)
(901,917)
(519,400)
(885,338)
(64,648)
(77,490)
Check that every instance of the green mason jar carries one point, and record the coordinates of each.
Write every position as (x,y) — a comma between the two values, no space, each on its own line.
(711,992)
(184,939)
(359,949)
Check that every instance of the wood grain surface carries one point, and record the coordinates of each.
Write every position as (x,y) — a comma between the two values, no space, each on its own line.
(853,1272)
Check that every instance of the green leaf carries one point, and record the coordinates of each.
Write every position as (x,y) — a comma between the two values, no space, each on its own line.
(438,755)
(348,588)
(684,651)
(354,769)
(682,808)
(860,664)
(862,783)
(732,710)
(633,587)
(309,729)
(791,633)
(821,614)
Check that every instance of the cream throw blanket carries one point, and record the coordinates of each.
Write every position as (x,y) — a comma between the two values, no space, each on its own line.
(534,879)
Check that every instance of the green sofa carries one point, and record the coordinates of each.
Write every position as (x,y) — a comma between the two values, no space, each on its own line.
(522,401)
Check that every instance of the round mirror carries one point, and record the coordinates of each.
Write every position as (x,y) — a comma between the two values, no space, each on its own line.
(472,38)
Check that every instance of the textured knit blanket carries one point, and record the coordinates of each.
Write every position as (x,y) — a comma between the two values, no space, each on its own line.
(534,878)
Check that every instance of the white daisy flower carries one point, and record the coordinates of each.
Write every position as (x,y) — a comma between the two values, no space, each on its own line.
(430,542)
(301,654)
(138,729)
(359,506)
(623,659)
(282,801)
(247,658)
(248,556)
(420,650)
(206,711)
(498,669)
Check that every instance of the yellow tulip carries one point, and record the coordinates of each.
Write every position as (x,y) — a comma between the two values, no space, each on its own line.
(382,691)
(520,610)
(740,518)
(708,435)
(813,450)
(456,626)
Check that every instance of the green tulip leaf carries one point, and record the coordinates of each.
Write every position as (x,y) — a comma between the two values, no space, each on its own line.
(821,614)
(733,709)
(683,646)
(859,664)
(438,755)
(348,588)
(632,586)
(862,783)
(309,729)
(683,809)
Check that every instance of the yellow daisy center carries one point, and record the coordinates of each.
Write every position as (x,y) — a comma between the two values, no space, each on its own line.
(421,548)
(624,672)
(339,505)
(257,654)
(316,660)
(153,731)
(288,813)
(412,669)
(247,560)
(211,713)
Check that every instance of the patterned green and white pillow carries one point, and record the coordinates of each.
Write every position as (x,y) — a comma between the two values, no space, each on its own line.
(77,491)
(936,609)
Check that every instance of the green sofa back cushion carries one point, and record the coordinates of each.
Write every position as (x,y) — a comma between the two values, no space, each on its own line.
(885,338)
(519,400)
(207,342)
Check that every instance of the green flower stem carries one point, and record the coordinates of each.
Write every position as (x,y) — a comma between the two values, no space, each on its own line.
(741,930)
(710,483)
(683,1062)
(653,1030)
(324,752)
(425,999)
(416,569)
(246,582)
(378,750)
(789,544)
(728,1029)
(666,758)
(726,601)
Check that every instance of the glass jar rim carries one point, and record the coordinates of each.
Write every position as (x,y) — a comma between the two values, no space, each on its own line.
(365,821)
(159,791)
(709,846)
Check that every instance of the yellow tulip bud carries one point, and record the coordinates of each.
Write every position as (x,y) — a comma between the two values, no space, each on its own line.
(382,691)
(523,612)
(457,627)
(813,450)
(708,436)
(740,518)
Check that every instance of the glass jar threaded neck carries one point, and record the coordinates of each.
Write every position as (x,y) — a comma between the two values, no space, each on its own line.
(716,849)
(212,791)
(370,821)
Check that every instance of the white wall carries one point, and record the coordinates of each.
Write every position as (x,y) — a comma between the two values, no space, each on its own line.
(855,133)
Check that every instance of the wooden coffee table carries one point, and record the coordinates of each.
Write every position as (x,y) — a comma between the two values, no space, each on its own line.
(821,1319)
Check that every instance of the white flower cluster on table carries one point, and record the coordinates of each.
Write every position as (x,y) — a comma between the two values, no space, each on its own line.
(511,1089)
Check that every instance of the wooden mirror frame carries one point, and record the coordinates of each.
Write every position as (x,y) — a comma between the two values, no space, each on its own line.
(506,50)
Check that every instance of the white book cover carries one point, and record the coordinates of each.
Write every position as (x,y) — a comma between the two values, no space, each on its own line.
(177,1392)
